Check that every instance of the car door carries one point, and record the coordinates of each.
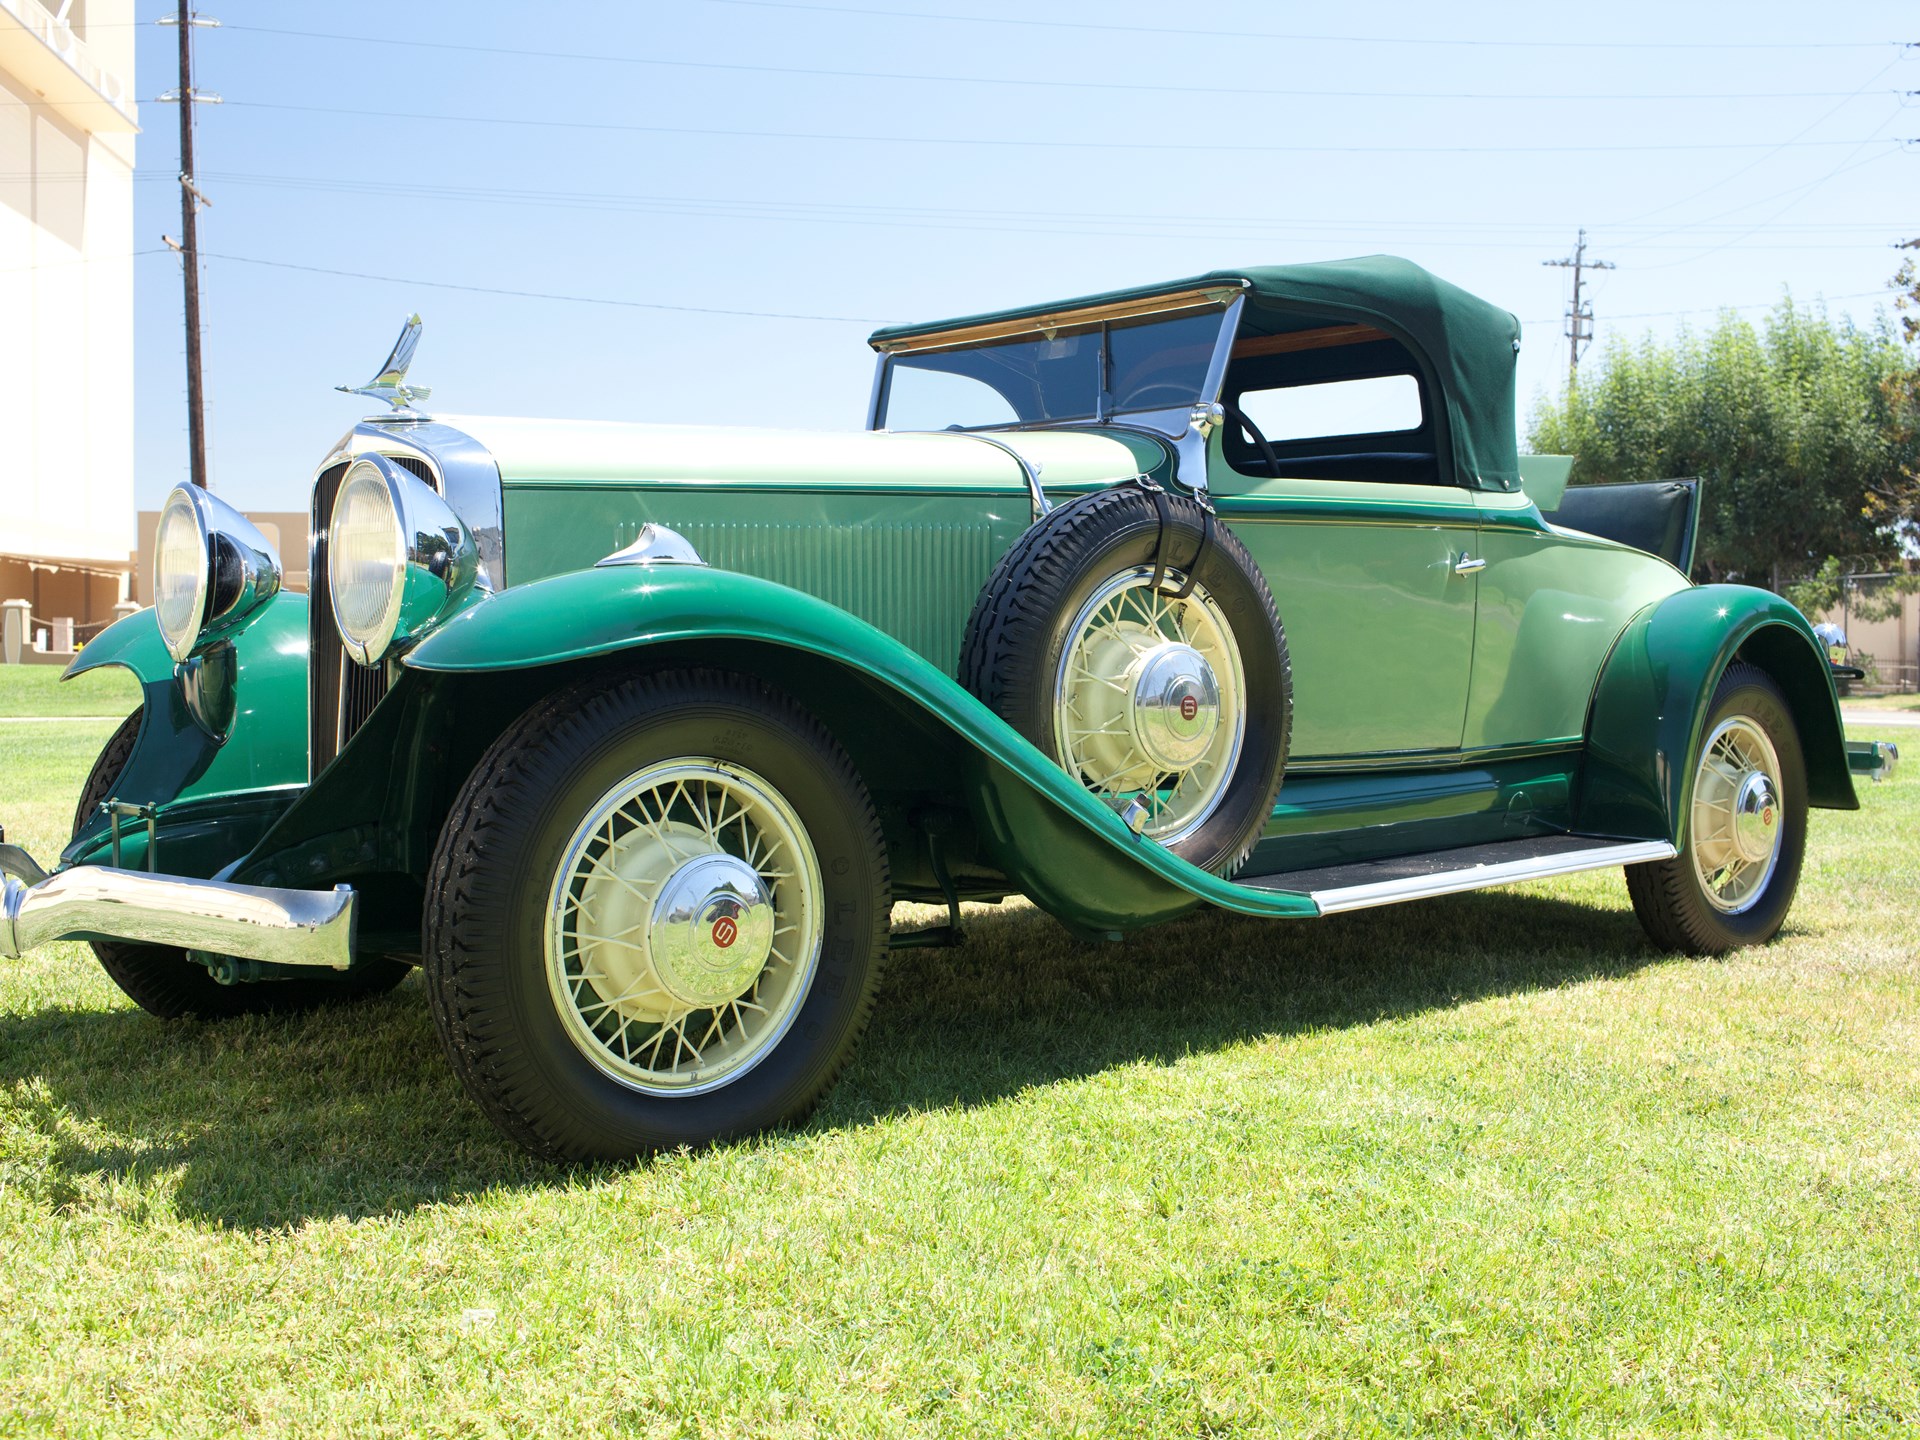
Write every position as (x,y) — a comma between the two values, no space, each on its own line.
(1376,587)
(1374,568)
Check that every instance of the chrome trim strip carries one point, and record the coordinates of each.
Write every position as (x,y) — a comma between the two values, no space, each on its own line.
(1048,323)
(1029,471)
(251,922)
(1480,877)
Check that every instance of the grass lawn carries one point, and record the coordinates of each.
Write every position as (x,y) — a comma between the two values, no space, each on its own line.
(1882,702)
(36,690)
(1482,1166)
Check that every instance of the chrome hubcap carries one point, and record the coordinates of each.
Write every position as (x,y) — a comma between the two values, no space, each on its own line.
(1736,816)
(1173,705)
(711,930)
(684,926)
(1148,706)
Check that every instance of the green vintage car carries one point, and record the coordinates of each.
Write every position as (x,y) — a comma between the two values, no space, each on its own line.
(1230,591)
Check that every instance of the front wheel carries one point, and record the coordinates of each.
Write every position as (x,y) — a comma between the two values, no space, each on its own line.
(168,982)
(656,917)
(1745,832)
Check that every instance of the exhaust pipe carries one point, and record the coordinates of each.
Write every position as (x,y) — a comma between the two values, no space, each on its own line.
(250,922)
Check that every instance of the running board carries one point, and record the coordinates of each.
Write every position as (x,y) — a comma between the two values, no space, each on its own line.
(1362,884)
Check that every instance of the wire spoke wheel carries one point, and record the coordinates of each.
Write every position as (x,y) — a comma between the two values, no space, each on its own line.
(685,924)
(1734,839)
(1150,700)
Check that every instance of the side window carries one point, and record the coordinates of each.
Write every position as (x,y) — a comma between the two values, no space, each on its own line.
(1376,405)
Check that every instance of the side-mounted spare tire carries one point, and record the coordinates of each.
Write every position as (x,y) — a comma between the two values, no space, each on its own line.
(1130,636)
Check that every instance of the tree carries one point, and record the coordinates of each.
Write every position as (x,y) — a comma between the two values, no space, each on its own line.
(1805,430)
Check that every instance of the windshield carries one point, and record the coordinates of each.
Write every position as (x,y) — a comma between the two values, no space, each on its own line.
(1083,372)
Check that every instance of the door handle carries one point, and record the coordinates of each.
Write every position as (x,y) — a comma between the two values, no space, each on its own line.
(1468,564)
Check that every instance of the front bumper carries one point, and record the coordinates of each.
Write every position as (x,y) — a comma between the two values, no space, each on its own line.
(312,928)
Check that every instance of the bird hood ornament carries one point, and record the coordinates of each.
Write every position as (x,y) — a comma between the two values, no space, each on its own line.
(390,384)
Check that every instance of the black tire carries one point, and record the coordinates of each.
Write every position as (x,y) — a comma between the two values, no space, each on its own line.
(503,845)
(1670,897)
(165,982)
(1020,623)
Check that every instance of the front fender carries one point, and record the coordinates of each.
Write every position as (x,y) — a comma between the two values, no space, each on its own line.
(1649,709)
(213,797)
(1061,846)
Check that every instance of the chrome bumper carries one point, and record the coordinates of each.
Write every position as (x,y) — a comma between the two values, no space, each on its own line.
(97,902)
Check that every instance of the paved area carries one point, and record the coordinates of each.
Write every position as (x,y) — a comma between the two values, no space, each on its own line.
(1865,719)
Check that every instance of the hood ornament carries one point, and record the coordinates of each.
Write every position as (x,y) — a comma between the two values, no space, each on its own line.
(390,384)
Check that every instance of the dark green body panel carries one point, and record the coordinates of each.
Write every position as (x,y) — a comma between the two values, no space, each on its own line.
(1038,827)
(214,798)
(909,565)
(1651,703)
(1331,817)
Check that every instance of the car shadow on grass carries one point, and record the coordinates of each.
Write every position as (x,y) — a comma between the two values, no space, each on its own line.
(353,1112)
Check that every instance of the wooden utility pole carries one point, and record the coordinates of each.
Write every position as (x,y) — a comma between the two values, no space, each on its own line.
(189,246)
(1580,312)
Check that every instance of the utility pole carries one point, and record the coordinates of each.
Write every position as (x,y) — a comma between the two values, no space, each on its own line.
(189,243)
(1580,312)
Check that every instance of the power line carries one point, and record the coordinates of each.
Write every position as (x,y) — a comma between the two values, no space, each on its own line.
(541,294)
(1189,31)
(920,78)
(1716,309)
(1018,222)
(834,319)
(1027,143)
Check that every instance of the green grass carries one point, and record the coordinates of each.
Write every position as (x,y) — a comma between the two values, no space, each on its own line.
(1482,1166)
(1882,702)
(36,690)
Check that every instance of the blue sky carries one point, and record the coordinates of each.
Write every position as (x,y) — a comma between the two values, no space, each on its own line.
(886,160)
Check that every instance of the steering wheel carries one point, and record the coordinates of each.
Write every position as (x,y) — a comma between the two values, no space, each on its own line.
(1245,422)
(1182,395)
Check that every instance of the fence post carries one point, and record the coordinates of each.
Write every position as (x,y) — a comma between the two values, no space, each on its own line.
(14,615)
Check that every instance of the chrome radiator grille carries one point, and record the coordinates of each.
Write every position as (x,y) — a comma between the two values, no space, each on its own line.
(340,694)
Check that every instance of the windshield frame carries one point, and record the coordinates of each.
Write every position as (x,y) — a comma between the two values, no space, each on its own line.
(1171,420)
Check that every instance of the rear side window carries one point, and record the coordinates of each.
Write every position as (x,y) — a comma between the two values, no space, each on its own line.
(1376,405)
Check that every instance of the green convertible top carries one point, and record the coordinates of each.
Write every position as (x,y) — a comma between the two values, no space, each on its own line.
(1467,346)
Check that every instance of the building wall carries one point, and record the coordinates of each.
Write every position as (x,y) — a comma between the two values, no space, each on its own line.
(66,294)
(1893,644)
(286,531)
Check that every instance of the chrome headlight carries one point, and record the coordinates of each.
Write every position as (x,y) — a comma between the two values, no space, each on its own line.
(399,561)
(211,570)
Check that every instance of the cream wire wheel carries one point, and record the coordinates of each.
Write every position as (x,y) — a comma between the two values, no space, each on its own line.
(1149,700)
(685,924)
(1736,820)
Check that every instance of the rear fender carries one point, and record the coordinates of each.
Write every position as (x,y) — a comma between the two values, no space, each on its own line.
(917,737)
(1650,707)
(213,797)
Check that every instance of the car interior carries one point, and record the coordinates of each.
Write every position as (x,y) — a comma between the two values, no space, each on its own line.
(1314,398)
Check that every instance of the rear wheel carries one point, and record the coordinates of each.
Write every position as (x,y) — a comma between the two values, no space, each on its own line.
(169,983)
(656,917)
(1746,828)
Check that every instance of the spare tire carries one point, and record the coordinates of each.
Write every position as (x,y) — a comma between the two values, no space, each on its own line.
(1083,641)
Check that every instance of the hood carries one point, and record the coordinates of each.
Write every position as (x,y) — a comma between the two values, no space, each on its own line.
(534,452)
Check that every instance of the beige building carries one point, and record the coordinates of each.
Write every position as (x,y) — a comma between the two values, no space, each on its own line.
(286,531)
(67,127)
(1890,648)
